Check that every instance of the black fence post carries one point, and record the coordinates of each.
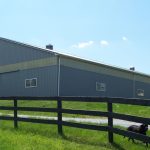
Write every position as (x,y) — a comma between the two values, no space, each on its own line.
(15,114)
(59,106)
(110,122)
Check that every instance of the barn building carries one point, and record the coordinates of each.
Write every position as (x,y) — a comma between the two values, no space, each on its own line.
(27,70)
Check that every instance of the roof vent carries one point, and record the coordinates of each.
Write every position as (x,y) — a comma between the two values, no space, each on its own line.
(49,46)
(132,68)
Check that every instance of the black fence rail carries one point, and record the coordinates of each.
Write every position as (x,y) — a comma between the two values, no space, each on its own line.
(60,111)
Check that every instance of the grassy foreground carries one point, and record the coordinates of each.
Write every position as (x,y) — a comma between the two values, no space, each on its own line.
(142,111)
(44,137)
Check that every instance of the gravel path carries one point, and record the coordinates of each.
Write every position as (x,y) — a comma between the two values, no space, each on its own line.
(83,120)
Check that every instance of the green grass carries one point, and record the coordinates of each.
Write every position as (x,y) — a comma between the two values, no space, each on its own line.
(44,137)
(142,111)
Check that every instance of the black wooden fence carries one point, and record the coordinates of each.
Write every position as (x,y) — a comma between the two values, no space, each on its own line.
(60,111)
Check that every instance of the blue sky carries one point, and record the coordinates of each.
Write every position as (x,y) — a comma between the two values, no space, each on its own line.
(115,32)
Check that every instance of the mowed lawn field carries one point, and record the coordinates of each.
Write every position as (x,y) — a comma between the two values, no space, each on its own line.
(31,136)
(143,111)
(45,137)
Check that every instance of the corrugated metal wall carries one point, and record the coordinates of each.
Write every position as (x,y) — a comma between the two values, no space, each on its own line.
(79,81)
(77,77)
(13,84)
(19,62)
(75,82)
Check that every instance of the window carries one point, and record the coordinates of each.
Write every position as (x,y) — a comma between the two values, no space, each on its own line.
(100,86)
(30,83)
(140,92)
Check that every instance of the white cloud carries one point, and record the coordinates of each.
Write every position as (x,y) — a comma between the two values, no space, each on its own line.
(83,44)
(104,43)
(124,38)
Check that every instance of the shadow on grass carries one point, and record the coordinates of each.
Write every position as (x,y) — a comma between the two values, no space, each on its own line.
(117,146)
(51,131)
(41,130)
(87,142)
(99,144)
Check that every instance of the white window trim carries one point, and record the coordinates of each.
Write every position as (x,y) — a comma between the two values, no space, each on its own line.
(101,83)
(30,81)
(140,94)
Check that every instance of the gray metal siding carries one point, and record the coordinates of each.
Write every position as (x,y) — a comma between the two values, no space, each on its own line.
(13,53)
(77,77)
(75,82)
(103,69)
(13,84)
(142,86)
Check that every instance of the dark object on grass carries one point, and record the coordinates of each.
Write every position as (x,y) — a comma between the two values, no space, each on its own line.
(142,129)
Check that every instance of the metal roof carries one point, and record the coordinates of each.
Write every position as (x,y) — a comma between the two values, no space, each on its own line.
(55,52)
(27,45)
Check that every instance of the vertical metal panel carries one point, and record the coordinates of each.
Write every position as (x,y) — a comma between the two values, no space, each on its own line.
(79,79)
(90,66)
(58,75)
(13,84)
(75,82)
(142,86)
